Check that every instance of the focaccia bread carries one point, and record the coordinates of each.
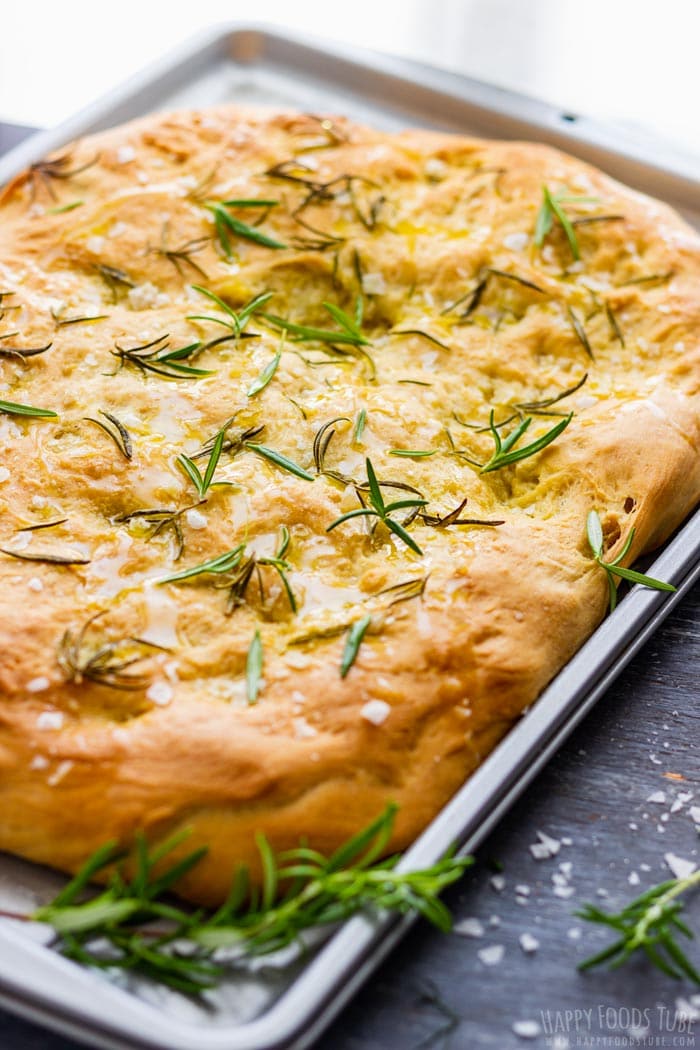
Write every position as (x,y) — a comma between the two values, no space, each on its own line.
(309,670)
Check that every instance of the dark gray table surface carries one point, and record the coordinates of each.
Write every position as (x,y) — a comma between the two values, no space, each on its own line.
(435,991)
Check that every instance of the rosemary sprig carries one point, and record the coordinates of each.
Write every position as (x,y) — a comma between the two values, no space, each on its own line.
(157,357)
(266,375)
(203,482)
(349,331)
(116,431)
(227,224)
(182,255)
(22,352)
(47,557)
(279,460)
(353,643)
(539,408)
(649,924)
(551,211)
(115,279)
(159,520)
(45,172)
(234,321)
(382,511)
(505,453)
(62,322)
(301,889)
(106,664)
(359,428)
(236,568)
(580,332)
(221,565)
(63,208)
(253,668)
(594,532)
(453,517)
(13,409)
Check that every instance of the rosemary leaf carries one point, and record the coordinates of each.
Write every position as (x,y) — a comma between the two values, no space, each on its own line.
(117,432)
(353,643)
(265,376)
(359,427)
(253,671)
(13,409)
(594,532)
(279,460)
(505,453)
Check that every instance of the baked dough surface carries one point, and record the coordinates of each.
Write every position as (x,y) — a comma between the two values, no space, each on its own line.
(411,223)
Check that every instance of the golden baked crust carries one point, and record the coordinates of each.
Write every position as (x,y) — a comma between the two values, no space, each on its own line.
(410,223)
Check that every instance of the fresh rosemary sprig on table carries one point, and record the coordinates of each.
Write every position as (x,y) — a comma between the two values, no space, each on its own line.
(382,511)
(133,924)
(107,663)
(649,924)
(594,532)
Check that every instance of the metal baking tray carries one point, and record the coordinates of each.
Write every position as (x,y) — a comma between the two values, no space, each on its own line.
(287,1005)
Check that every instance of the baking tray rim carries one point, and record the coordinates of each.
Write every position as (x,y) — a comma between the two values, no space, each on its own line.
(301,1011)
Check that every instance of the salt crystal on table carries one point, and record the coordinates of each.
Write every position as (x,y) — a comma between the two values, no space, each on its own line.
(492,955)
(469,928)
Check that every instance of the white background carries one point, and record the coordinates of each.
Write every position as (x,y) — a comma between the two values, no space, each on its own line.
(634,62)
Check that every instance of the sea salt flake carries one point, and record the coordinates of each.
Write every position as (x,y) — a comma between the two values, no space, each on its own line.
(528,943)
(373,284)
(302,729)
(146,296)
(633,878)
(35,585)
(516,241)
(527,1029)
(679,867)
(37,685)
(564,892)
(469,928)
(59,773)
(160,693)
(498,883)
(657,796)
(50,720)
(492,955)
(95,244)
(694,814)
(195,519)
(375,711)
(4,474)
(544,849)
(39,762)
(125,154)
